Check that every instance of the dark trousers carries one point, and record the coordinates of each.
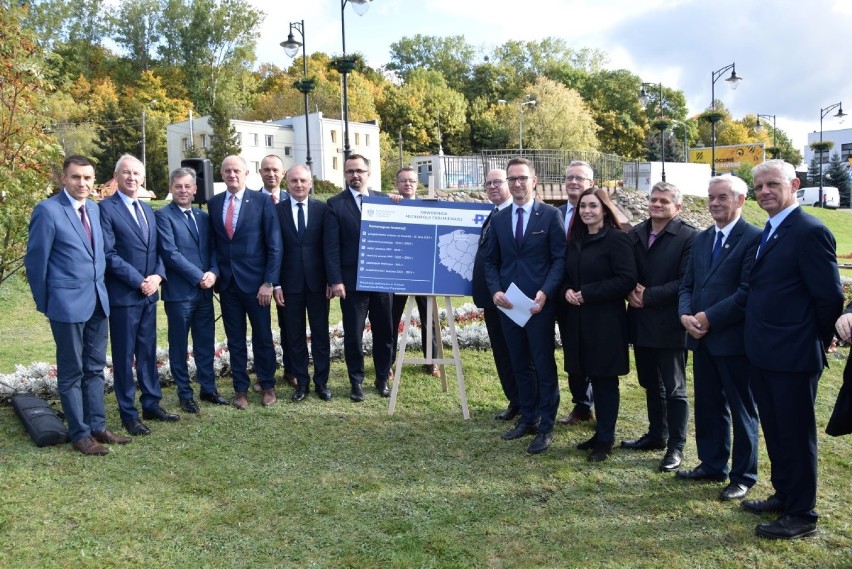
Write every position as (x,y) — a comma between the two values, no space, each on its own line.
(662,372)
(196,317)
(500,352)
(236,307)
(80,362)
(283,340)
(723,399)
(396,314)
(580,386)
(535,368)
(315,304)
(785,402)
(607,401)
(355,308)
(133,333)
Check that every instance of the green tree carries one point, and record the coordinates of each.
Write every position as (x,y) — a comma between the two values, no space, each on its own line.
(451,56)
(560,119)
(135,28)
(813,172)
(674,149)
(224,140)
(838,176)
(745,173)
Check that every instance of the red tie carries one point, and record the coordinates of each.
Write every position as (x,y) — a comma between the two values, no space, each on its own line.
(229,218)
(86,225)
(274,199)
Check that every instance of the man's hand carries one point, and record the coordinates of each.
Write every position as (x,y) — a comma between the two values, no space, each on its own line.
(844,327)
(264,295)
(208,279)
(692,326)
(501,300)
(636,298)
(539,300)
(150,284)
(338,290)
(396,198)
(278,295)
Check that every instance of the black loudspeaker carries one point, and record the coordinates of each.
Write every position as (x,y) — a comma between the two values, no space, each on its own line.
(203,178)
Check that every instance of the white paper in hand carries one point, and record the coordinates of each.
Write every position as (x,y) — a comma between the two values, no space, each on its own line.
(521,304)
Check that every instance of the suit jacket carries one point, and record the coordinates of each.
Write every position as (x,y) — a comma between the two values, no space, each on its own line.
(185,257)
(720,289)
(538,264)
(794,297)
(660,269)
(481,296)
(129,257)
(253,256)
(342,228)
(303,268)
(65,274)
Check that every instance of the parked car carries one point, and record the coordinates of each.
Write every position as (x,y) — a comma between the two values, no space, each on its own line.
(810,196)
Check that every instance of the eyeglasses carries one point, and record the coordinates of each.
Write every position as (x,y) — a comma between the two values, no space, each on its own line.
(521,179)
(359,172)
(572,178)
(406,181)
(497,182)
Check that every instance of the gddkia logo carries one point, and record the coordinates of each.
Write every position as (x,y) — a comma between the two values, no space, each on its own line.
(479,219)
(370,212)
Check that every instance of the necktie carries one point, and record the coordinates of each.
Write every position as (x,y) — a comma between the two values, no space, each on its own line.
(764,238)
(717,246)
(229,218)
(570,224)
(192,228)
(651,238)
(519,227)
(140,219)
(486,225)
(274,199)
(86,227)
(300,215)
(360,201)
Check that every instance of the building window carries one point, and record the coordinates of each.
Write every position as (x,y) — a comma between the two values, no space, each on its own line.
(357,138)
(203,140)
(254,139)
(269,141)
(287,151)
(366,140)
(334,163)
(334,136)
(255,166)
(845,151)
(185,142)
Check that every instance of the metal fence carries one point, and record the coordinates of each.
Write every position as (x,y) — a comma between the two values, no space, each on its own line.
(550,165)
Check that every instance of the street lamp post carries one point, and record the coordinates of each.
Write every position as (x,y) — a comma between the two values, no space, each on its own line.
(822,114)
(643,96)
(685,143)
(521,106)
(759,127)
(345,65)
(304,85)
(405,126)
(733,81)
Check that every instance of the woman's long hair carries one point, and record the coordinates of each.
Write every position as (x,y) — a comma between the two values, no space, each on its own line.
(579,230)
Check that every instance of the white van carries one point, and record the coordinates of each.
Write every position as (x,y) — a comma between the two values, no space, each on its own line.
(810,196)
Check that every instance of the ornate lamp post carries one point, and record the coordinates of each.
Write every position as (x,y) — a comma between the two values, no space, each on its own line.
(345,65)
(822,114)
(733,81)
(304,85)
(661,122)
(521,105)
(759,127)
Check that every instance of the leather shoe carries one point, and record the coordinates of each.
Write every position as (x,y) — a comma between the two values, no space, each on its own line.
(136,427)
(540,443)
(291,379)
(771,505)
(520,430)
(256,387)
(601,452)
(734,491)
(89,446)
(190,406)
(356,394)
(269,397)
(214,398)
(159,414)
(432,369)
(785,527)
(645,442)
(107,437)
(382,388)
(240,401)
(589,444)
(671,461)
(324,393)
(701,472)
(300,394)
(575,417)
(507,414)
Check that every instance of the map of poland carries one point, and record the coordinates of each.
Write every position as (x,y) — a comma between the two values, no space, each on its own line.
(456,252)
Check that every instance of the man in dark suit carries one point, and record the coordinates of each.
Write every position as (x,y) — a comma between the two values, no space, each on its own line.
(579,177)
(794,299)
(247,240)
(498,194)
(526,247)
(303,283)
(65,269)
(712,308)
(661,245)
(343,228)
(191,271)
(134,271)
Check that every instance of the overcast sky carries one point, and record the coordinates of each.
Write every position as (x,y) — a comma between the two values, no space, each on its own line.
(793,55)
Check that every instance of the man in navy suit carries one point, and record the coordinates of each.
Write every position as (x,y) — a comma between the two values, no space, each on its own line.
(65,269)
(191,271)
(343,228)
(712,309)
(304,285)
(794,299)
(498,194)
(134,271)
(527,247)
(247,240)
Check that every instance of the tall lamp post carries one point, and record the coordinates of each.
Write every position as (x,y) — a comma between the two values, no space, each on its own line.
(733,81)
(345,65)
(822,114)
(521,105)
(644,97)
(685,143)
(405,126)
(304,85)
(759,127)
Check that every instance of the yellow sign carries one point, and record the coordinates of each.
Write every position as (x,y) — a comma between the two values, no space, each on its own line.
(729,158)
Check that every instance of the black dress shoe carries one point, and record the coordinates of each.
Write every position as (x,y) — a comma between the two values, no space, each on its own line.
(700,472)
(300,394)
(355,394)
(324,393)
(136,427)
(159,414)
(671,461)
(382,388)
(601,452)
(734,491)
(785,527)
(645,442)
(190,406)
(214,398)
(520,430)
(771,505)
(589,444)
(540,443)
(507,414)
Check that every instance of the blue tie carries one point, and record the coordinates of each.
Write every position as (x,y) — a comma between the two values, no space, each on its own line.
(140,219)
(519,228)
(764,238)
(301,221)
(191,222)
(717,246)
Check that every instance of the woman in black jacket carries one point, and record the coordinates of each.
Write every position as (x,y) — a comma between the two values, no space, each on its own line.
(600,271)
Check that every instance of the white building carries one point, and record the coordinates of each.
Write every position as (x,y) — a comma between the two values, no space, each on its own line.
(842,140)
(286,139)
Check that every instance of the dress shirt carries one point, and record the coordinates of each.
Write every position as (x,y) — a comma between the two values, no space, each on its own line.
(527,207)
(355,194)
(239,195)
(295,211)
(128,201)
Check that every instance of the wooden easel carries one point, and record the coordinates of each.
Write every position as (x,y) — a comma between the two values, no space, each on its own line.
(433,327)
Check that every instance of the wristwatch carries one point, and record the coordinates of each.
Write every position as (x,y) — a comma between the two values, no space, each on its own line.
(268,284)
